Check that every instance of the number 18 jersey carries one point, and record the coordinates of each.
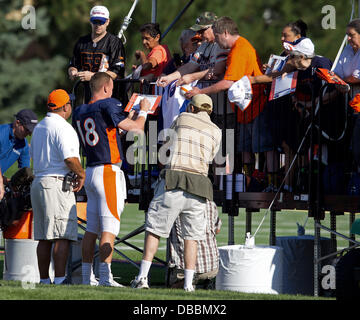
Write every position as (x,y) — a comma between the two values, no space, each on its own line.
(96,125)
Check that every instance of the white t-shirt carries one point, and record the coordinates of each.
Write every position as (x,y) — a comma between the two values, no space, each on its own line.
(53,141)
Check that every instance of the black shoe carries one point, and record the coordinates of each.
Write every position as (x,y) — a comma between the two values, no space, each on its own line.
(66,282)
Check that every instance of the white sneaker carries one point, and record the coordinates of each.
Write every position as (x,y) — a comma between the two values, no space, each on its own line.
(93,281)
(189,289)
(111,283)
(142,283)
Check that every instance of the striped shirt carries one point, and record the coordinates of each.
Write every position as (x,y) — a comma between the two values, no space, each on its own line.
(196,143)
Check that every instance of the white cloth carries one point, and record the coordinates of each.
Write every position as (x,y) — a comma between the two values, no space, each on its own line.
(173,103)
(348,64)
(240,93)
(53,141)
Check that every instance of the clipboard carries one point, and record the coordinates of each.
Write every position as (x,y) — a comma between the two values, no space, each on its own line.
(134,103)
(283,85)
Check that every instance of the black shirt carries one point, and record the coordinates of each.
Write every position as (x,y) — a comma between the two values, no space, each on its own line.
(108,54)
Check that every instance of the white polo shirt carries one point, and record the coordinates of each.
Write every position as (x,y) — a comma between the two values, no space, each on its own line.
(348,64)
(53,141)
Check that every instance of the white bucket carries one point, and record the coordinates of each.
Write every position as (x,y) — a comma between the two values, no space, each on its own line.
(20,262)
(252,270)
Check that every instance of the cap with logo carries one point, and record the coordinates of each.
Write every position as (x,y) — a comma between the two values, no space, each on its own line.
(241,93)
(58,98)
(204,21)
(27,118)
(202,102)
(99,13)
(303,46)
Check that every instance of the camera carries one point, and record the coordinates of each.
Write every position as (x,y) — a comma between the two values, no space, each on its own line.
(68,181)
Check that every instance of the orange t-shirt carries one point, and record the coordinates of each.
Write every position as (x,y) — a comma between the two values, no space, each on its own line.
(162,55)
(244,61)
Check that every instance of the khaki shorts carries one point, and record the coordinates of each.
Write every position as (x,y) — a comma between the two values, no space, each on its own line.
(166,206)
(55,215)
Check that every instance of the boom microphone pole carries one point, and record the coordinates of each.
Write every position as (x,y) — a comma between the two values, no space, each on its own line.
(127,21)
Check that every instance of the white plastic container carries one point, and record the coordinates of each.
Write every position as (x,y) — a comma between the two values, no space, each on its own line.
(20,261)
(252,270)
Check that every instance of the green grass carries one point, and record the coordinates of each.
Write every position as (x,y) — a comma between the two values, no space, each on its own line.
(14,290)
(124,272)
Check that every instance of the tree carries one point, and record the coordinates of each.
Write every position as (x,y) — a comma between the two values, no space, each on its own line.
(28,71)
(34,61)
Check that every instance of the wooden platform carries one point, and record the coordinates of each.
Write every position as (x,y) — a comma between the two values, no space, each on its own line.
(291,201)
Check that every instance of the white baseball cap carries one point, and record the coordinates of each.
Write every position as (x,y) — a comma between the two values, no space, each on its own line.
(241,93)
(303,45)
(99,13)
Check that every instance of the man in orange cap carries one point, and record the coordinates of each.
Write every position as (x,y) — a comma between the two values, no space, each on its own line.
(55,152)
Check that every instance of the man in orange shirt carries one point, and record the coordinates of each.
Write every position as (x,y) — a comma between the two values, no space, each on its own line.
(252,135)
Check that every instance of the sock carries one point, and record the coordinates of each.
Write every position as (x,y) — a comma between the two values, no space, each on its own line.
(45,281)
(105,272)
(272,178)
(59,280)
(86,269)
(144,269)
(188,278)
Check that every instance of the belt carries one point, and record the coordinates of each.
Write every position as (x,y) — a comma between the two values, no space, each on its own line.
(57,177)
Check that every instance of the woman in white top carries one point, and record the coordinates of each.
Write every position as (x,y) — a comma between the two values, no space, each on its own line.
(348,68)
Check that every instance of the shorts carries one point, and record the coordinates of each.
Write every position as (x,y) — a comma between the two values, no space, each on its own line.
(55,215)
(283,122)
(106,193)
(167,205)
(254,136)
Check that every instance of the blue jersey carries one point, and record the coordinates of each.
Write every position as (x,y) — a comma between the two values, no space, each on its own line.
(96,125)
(12,149)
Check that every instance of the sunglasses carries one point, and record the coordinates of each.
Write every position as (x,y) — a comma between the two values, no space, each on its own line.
(97,22)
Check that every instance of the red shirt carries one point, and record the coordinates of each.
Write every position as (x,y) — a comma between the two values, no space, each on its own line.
(162,55)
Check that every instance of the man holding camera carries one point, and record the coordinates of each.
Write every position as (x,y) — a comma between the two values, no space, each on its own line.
(54,149)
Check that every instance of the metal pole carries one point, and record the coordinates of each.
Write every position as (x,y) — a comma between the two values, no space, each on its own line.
(272,239)
(317,255)
(231,239)
(176,19)
(153,11)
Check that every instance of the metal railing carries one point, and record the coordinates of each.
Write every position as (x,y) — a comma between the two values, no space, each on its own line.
(323,139)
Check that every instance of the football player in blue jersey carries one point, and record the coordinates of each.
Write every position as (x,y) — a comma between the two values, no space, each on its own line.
(97,125)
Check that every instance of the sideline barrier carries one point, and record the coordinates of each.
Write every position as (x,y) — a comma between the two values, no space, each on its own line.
(318,186)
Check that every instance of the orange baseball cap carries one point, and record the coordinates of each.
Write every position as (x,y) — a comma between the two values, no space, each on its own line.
(58,98)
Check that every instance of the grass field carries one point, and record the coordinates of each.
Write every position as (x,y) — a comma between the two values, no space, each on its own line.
(125,272)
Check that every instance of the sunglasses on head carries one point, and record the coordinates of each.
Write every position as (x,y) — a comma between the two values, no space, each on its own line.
(97,22)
